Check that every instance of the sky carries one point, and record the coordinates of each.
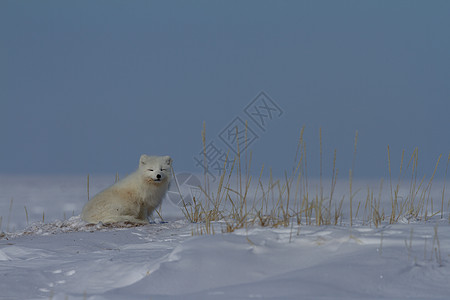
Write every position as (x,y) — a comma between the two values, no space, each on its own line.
(89,86)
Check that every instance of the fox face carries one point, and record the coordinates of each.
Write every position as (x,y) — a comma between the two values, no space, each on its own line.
(155,168)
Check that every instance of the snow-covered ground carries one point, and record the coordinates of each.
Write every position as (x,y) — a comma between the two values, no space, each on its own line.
(62,258)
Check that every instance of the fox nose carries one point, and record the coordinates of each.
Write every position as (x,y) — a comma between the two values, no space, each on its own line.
(158,176)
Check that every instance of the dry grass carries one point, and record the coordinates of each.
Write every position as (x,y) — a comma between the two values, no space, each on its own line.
(239,200)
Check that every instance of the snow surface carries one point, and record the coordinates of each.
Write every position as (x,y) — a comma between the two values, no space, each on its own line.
(63,258)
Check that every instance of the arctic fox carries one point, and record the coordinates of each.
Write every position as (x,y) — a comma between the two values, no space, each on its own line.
(134,198)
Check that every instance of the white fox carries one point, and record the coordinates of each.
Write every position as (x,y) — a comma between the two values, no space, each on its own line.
(134,198)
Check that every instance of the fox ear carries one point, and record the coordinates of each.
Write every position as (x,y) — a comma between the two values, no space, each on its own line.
(168,160)
(143,159)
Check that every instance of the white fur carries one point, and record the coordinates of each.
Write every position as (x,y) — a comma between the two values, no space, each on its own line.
(134,198)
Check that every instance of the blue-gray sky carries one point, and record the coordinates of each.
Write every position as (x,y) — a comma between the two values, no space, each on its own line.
(88,86)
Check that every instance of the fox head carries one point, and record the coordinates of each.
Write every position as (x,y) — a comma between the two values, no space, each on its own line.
(155,168)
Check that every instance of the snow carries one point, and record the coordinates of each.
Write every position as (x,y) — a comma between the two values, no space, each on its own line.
(63,258)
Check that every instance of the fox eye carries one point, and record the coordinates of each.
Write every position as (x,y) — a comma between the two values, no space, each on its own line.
(163,170)
(151,170)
